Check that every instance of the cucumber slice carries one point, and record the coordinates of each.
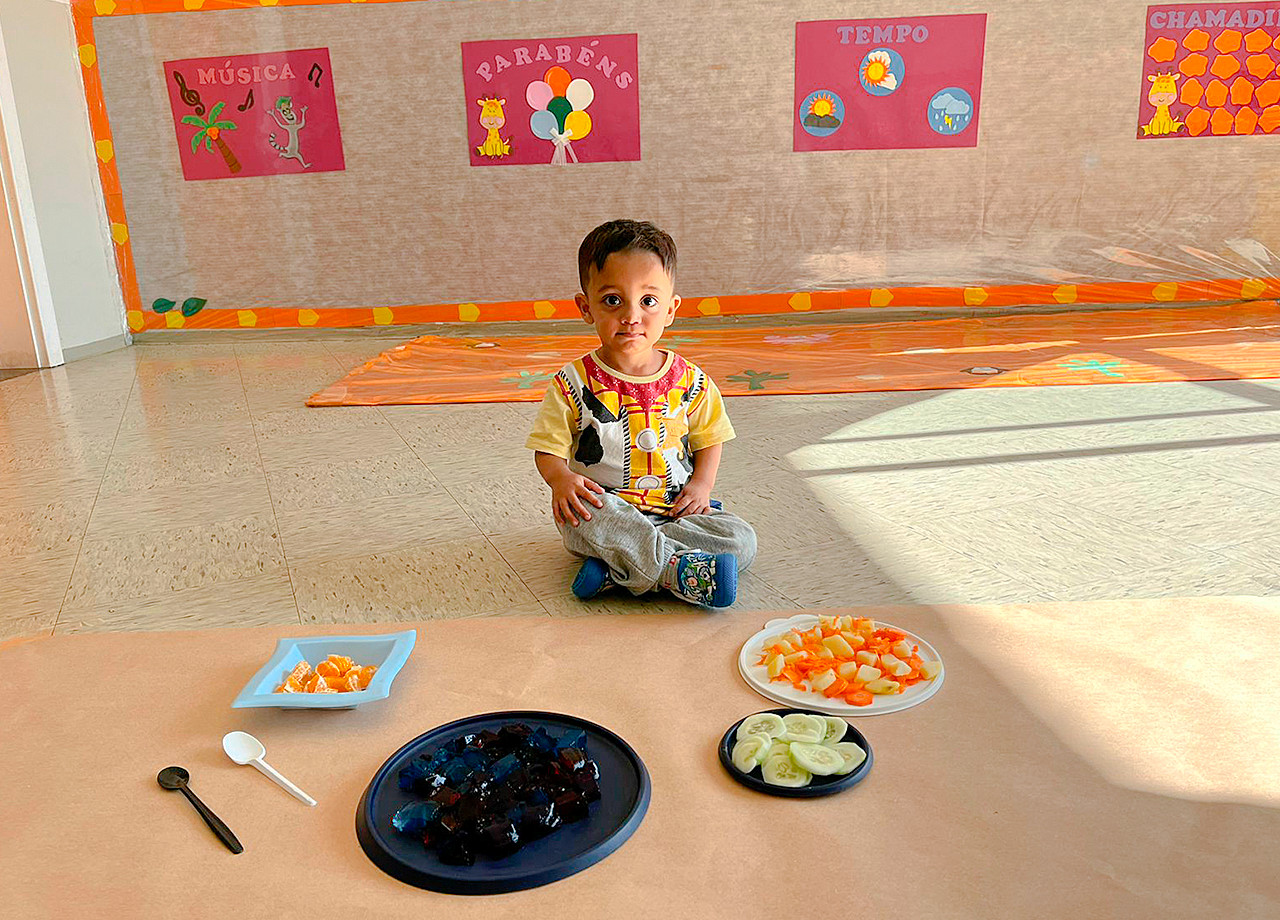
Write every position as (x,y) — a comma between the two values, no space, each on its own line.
(768,724)
(806,728)
(783,771)
(749,752)
(853,756)
(818,759)
(836,727)
(777,747)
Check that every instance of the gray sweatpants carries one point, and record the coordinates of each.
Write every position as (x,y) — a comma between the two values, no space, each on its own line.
(637,546)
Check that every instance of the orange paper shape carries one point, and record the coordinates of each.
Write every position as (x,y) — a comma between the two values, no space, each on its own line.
(1241,91)
(1222,122)
(1246,120)
(1224,66)
(1270,119)
(1192,92)
(1276,43)
(1194,65)
(1228,40)
(1260,65)
(1257,40)
(1215,94)
(1268,93)
(1196,40)
(1196,121)
(1163,50)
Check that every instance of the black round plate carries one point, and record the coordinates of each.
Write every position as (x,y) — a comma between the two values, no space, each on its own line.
(819,785)
(624,787)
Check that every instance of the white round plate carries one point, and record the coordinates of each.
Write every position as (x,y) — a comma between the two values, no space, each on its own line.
(757,677)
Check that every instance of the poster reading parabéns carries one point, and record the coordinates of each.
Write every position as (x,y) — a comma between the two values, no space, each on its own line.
(552,100)
(1210,69)
(885,84)
(255,114)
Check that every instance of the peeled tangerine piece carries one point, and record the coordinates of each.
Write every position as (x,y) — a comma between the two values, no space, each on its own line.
(301,672)
(328,669)
(342,663)
(781,770)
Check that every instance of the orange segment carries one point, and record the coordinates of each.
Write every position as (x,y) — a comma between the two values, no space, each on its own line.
(342,663)
(364,675)
(301,671)
(352,681)
(328,669)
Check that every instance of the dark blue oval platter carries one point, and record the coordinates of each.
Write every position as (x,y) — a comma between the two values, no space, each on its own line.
(819,785)
(625,791)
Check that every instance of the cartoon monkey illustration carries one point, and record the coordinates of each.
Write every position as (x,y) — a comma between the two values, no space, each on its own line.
(287,119)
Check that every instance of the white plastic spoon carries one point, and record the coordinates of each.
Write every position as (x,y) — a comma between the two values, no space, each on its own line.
(244,749)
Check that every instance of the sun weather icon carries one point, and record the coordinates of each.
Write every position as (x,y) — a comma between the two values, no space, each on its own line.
(822,113)
(882,71)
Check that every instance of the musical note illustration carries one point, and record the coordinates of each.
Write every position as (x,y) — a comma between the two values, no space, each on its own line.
(189,96)
(248,101)
(315,74)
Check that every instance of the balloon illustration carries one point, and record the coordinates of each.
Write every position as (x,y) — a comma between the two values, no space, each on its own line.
(559,105)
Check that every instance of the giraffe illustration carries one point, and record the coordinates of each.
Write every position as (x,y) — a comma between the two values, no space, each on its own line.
(492,117)
(1163,93)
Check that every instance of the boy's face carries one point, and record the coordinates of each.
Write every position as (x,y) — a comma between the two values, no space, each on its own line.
(630,302)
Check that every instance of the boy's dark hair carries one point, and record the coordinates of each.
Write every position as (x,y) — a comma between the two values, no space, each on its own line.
(624,236)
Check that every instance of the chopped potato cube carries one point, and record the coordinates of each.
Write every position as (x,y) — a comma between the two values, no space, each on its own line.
(867,673)
(849,669)
(838,646)
(870,658)
(930,669)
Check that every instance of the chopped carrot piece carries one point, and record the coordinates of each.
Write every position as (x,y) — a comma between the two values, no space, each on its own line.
(861,698)
(836,689)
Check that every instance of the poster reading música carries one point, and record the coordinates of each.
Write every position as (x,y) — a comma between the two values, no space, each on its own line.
(552,100)
(889,84)
(1210,69)
(255,114)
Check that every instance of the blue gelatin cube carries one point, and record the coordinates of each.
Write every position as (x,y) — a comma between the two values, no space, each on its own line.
(440,758)
(414,817)
(415,770)
(542,741)
(455,771)
(505,767)
(474,759)
(573,738)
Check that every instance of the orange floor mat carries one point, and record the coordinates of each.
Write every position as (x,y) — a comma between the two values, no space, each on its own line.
(1130,346)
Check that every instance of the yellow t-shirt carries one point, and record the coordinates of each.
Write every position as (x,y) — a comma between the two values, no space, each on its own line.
(633,435)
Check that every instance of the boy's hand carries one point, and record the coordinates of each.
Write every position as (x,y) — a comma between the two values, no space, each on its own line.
(694,499)
(568,494)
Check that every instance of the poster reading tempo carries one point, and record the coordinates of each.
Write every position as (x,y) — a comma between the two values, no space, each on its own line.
(889,84)
(554,101)
(1210,70)
(255,114)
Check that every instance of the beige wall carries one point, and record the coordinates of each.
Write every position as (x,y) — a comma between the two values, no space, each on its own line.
(1057,190)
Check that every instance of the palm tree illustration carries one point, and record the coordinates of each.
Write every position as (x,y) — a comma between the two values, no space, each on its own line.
(211,133)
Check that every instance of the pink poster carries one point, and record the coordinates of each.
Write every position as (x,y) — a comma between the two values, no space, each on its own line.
(1210,69)
(889,84)
(552,100)
(255,114)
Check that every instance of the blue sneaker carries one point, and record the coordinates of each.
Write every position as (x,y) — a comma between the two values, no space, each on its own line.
(705,579)
(592,578)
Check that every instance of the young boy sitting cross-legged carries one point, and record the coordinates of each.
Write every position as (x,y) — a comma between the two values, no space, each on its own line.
(629,436)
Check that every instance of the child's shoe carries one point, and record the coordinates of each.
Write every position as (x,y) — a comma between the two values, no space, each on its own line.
(592,578)
(703,578)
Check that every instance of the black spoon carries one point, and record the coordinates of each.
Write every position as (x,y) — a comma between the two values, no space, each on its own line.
(177,778)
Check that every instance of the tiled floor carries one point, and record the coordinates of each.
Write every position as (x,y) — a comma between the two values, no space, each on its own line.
(182,483)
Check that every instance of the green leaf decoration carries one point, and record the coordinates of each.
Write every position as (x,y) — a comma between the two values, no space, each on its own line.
(195,142)
(216,111)
(193,305)
(193,120)
(163,305)
(756,380)
(208,144)
(225,125)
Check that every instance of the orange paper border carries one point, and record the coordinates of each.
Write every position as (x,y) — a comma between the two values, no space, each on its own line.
(85,11)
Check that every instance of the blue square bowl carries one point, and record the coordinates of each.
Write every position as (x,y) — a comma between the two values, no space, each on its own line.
(387,652)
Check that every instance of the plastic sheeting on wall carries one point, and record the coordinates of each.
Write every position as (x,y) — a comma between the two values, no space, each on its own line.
(1058,193)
